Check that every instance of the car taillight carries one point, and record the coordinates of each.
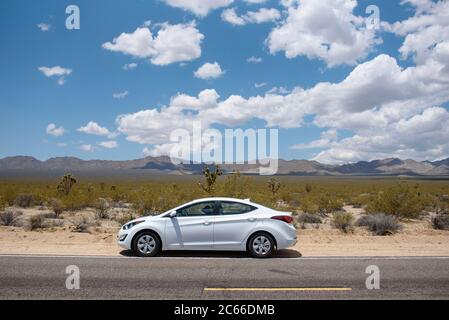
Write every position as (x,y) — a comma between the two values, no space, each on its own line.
(287,219)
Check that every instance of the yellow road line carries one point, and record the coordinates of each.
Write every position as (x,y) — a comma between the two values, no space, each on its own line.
(277,289)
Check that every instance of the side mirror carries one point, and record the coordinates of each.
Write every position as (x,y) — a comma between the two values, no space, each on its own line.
(172,214)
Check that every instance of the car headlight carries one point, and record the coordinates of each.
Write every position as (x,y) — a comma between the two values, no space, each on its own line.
(131,224)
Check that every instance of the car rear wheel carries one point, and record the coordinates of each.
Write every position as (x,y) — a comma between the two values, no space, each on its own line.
(261,245)
(146,244)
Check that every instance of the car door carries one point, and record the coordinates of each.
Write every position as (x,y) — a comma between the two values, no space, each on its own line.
(233,223)
(191,228)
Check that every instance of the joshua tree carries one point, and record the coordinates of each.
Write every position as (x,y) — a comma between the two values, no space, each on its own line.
(274,186)
(210,178)
(308,188)
(66,184)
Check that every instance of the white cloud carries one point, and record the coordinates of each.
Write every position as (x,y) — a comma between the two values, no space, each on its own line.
(254,59)
(326,139)
(94,129)
(200,8)
(260,85)
(129,66)
(87,147)
(375,102)
(56,71)
(111,144)
(255,1)
(260,16)
(428,27)
(422,137)
(209,71)
(278,90)
(173,43)
(120,95)
(326,30)
(54,130)
(44,27)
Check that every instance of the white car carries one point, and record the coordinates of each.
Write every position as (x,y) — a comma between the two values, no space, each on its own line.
(211,224)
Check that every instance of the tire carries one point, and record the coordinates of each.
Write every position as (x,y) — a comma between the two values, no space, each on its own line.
(261,245)
(146,244)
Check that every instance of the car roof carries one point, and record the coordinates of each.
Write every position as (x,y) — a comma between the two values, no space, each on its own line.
(221,199)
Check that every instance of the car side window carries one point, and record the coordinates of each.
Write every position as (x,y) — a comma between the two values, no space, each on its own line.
(227,208)
(197,210)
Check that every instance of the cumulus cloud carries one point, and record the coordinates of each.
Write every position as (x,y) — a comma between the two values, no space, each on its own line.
(120,95)
(44,27)
(57,72)
(87,147)
(254,59)
(54,130)
(111,144)
(327,30)
(260,16)
(129,66)
(209,71)
(172,43)
(428,27)
(255,1)
(376,102)
(94,129)
(200,8)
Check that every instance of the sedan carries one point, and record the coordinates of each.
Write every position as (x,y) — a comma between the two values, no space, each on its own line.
(211,224)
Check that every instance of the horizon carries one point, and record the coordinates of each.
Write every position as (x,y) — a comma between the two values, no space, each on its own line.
(192,162)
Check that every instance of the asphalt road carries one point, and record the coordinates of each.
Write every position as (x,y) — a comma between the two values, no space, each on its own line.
(223,276)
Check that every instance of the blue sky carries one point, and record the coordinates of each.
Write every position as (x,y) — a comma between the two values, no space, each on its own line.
(34,36)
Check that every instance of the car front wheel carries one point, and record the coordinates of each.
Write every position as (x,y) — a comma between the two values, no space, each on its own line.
(261,245)
(146,244)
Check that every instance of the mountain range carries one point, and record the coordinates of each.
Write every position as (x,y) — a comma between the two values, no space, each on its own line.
(163,165)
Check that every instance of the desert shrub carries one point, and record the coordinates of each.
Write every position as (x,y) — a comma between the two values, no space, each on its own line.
(328,203)
(57,206)
(49,215)
(102,207)
(309,218)
(55,222)
(342,220)
(235,186)
(364,221)
(308,205)
(304,218)
(24,200)
(400,200)
(82,223)
(440,222)
(37,222)
(10,217)
(379,224)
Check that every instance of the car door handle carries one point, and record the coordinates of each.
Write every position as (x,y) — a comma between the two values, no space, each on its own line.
(206,223)
(251,219)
